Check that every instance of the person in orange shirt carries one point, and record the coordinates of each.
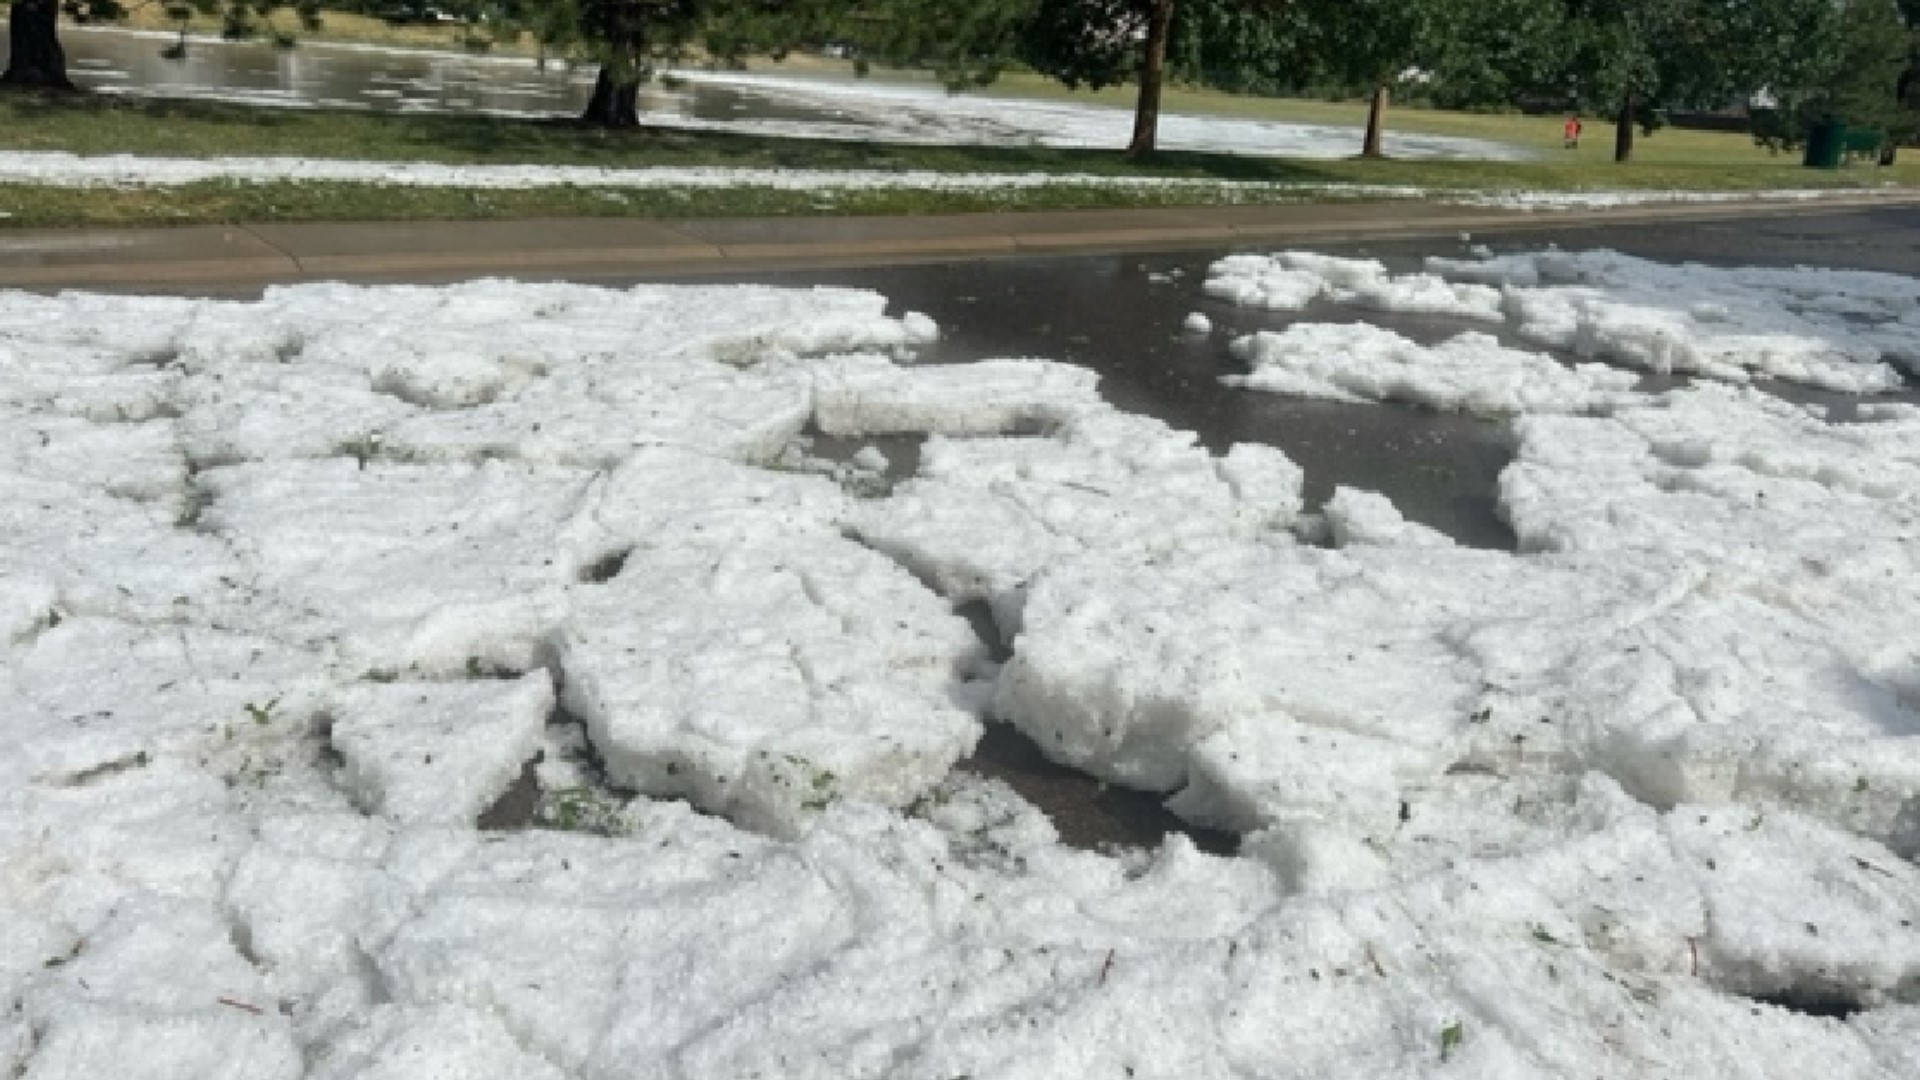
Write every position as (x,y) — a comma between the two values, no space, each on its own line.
(1571,133)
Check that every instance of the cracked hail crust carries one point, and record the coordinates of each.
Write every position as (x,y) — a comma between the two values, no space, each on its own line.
(304,602)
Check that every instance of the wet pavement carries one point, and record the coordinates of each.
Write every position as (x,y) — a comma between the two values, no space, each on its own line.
(1885,239)
(1122,315)
(1086,812)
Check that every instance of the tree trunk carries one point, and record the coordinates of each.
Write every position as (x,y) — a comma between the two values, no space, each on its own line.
(1153,73)
(616,89)
(615,100)
(37,59)
(1623,129)
(1376,121)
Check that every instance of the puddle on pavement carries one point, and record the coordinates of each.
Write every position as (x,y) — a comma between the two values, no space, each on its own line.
(979,615)
(1827,1004)
(1086,812)
(518,806)
(1122,317)
(594,805)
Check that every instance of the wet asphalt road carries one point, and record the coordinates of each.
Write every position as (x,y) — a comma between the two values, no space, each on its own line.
(1122,314)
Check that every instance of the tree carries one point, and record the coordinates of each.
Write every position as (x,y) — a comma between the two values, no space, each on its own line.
(1368,44)
(244,19)
(1460,53)
(1907,88)
(1098,43)
(1857,71)
(1227,33)
(1493,53)
(1090,43)
(1240,48)
(629,38)
(625,36)
(1082,43)
(1636,58)
(37,60)
(967,43)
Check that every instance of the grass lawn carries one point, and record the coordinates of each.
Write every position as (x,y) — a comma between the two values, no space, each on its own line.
(1670,159)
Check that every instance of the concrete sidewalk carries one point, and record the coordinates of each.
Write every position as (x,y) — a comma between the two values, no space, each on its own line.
(587,248)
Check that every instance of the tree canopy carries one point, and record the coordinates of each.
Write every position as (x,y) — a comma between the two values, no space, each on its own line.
(1635,59)
(1857,70)
(1493,52)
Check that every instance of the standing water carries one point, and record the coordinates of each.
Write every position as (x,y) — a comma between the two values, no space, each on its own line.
(319,74)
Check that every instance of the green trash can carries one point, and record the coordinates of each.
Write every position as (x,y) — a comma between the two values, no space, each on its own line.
(1826,145)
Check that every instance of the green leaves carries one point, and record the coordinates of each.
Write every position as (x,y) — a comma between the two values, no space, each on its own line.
(1364,43)
(968,42)
(1495,53)
(1849,68)
(1691,53)
(1091,43)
